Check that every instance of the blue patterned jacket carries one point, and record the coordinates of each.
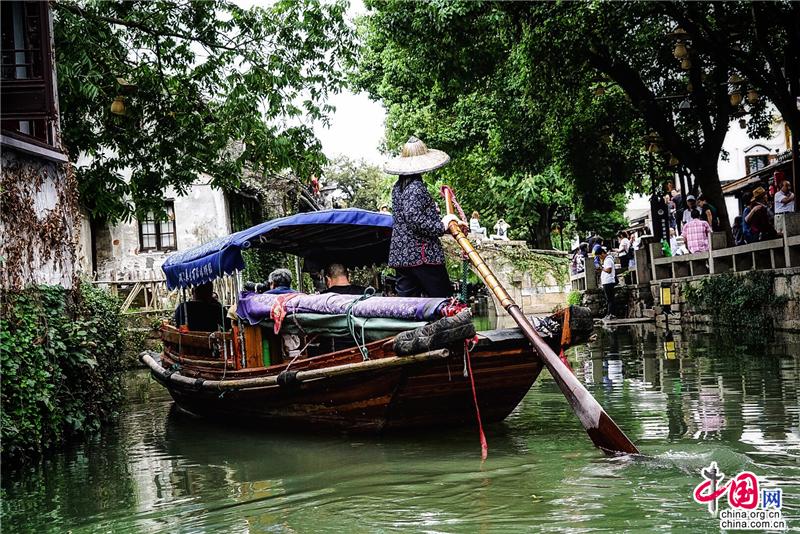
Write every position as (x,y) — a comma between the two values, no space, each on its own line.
(417,225)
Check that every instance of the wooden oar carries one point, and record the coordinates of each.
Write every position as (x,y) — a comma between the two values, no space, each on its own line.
(602,430)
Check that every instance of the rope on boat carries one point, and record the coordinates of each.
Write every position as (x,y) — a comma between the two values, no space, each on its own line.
(361,344)
(467,361)
(482,436)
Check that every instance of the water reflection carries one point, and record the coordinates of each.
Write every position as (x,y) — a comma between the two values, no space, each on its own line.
(162,471)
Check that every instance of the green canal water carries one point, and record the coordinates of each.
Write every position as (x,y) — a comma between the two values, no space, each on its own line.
(160,471)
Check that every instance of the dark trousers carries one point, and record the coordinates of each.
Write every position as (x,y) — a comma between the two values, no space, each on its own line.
(608,291)
(427,280)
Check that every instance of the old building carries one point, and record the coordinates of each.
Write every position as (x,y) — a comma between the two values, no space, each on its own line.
(135,249)
(39,193)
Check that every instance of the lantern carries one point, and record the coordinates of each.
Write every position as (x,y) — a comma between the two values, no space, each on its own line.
(736,98)
(680,51)
(118,105)
(686,63)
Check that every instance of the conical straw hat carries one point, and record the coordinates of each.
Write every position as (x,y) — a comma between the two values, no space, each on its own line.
(416,158)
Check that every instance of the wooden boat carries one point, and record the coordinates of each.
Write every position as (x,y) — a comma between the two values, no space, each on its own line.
(249,375)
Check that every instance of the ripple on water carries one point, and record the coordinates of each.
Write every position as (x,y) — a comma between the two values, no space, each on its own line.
(159,471)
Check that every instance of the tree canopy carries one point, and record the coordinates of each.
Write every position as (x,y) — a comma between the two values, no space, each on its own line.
(572,91)
(524,147)
(208,88)
(356,184)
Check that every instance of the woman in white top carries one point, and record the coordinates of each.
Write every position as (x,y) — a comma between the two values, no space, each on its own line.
(624,250)
(475,225)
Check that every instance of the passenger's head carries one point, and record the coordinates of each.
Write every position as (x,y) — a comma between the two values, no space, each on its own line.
(690,201)
(603,253)
(737,221)
(336,275)
(280,278)
(672,232)
(476,215)
(203,292)
(702,200)
(785,186)
(622,235)
(695,214)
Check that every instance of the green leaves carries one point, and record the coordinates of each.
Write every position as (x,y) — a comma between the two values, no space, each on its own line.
(208,75)
(60,358)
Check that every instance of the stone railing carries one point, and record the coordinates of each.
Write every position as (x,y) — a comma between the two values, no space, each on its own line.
(652,265)
(779,253)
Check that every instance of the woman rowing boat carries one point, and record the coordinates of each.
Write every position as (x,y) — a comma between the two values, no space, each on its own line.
(416,252)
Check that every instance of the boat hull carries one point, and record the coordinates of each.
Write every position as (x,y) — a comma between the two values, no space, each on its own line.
(423,394)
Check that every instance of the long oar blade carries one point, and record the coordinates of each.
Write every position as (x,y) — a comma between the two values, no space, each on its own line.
(602,430)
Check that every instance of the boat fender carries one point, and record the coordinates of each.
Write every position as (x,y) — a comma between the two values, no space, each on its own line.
(288,379)
(437,335)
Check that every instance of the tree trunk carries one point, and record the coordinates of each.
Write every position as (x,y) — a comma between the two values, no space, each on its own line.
(707,178)
(541,231)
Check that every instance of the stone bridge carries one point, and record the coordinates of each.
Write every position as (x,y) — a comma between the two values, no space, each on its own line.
(537,280)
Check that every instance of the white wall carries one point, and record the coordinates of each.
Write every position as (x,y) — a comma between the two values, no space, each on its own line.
(200,216)
(737,144)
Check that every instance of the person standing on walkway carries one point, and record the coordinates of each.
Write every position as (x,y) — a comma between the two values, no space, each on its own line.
(415,251)
(697,233)
(608,280)
(709,213)
(784,198)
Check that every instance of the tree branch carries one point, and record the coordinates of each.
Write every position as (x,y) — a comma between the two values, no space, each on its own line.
(81,12)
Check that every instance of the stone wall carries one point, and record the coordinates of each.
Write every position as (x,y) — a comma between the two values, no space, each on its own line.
(535,293)
(38,221)
(786,284)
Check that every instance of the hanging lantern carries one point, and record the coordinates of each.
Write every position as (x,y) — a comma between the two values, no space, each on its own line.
(742,124)
(686,63)
(599,90)
(752,96)
(673,161)
(680,50)
(118,105)
(689,87)
(736,98)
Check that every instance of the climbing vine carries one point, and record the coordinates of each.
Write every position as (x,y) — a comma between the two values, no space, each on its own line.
(746,302)
(61,362)
(36,238)
(537,264)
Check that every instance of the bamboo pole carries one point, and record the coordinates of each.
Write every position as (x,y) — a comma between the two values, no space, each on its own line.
(302,376)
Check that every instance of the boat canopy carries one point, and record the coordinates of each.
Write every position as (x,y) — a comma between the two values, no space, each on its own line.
(352,237)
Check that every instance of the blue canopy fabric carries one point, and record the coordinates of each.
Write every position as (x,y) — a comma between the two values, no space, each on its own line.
(353,237)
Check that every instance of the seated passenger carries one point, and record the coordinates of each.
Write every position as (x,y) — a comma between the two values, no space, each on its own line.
(337,280)
(203,313)
(280,282)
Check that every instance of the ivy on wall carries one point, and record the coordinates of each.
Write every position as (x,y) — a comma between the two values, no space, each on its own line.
(744,303)
(61,362)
